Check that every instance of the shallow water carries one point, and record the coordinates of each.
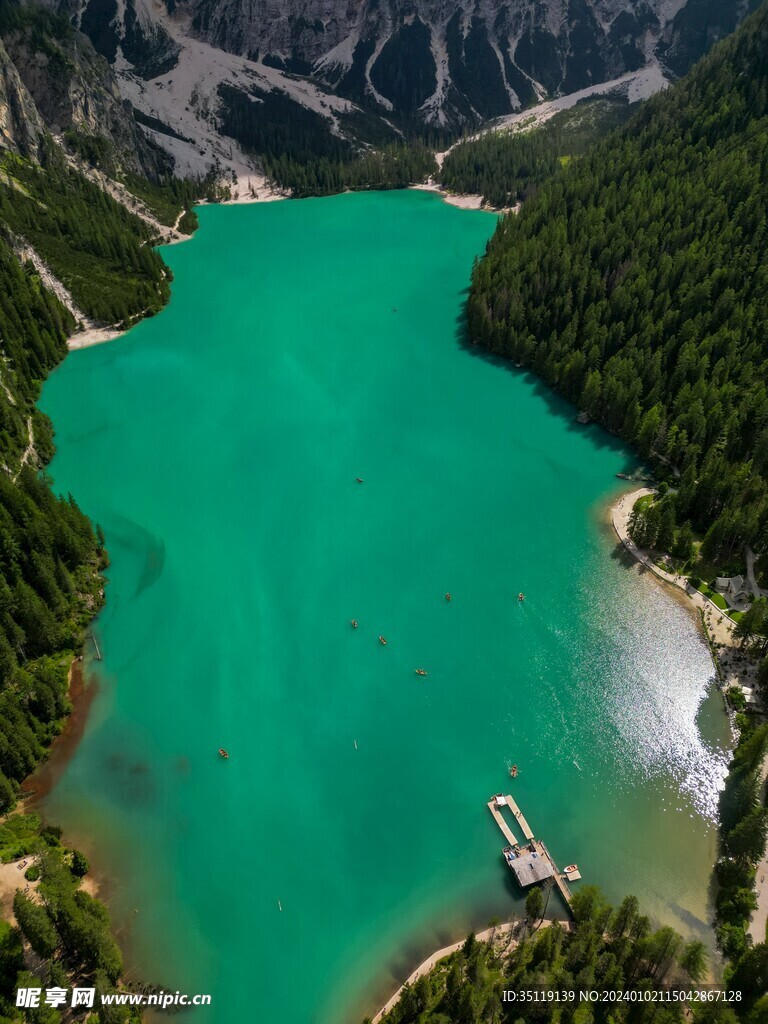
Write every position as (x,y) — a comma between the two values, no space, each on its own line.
(308,343)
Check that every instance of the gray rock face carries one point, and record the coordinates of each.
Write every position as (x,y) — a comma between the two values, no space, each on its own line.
(52,80)
(438,61)
(21,126)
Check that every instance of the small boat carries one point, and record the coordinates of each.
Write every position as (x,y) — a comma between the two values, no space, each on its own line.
(521,597)
(359,479)
(513,771)
(223,753)
(420,671)
(353,623)
(383,640)
(570,869)
(447,597)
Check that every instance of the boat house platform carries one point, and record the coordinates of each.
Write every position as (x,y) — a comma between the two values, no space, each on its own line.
(527,865)
(530,862)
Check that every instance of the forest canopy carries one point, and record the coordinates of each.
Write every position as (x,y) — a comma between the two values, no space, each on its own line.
(506,166)
(636,283)
(604,949)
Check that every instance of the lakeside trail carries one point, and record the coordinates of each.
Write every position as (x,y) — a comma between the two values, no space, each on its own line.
(758,924)
(734,666)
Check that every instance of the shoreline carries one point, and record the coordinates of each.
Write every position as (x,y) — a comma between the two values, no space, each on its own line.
(617,513)
(494,933)
(92,336)
(461,200)
(732,666)
(39,784)
(36,787)
(95,335)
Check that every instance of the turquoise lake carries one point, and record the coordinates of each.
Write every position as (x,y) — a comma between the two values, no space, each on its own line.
(306,344)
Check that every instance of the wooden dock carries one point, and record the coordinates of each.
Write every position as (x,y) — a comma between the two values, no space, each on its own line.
(537,844)
(507,831)
(96,645)
(559,878)
(527,831)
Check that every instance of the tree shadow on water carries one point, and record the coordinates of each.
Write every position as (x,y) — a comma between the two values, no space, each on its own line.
(556,404)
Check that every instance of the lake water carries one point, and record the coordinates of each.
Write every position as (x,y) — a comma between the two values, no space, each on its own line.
(306,344)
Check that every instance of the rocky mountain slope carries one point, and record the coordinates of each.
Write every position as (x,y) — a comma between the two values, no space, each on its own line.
(441,62)
(369,69)
(53,81)
(82,188)
(218,84)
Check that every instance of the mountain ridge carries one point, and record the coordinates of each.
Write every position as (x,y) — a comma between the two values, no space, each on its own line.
(377,66)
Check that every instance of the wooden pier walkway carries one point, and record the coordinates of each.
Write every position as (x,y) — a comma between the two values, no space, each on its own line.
(508,834)
(96,645)
(527,831)
(509,802)
(559,878)
(539,846)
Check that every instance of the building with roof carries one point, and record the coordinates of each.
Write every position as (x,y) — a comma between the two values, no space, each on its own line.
(734,589)
(528,865)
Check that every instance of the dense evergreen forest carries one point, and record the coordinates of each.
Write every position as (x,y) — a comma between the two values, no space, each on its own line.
(301,155)
(62,935)
(49,554)
(506,167)
(395,166)
(604,949)
(51,557)
(636,283)
(93,245)
(502,168)
(743,830)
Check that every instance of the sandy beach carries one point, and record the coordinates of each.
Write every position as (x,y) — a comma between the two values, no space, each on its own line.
(502,935)
(253,190)
(464,201)
(92,336)
(11,879)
